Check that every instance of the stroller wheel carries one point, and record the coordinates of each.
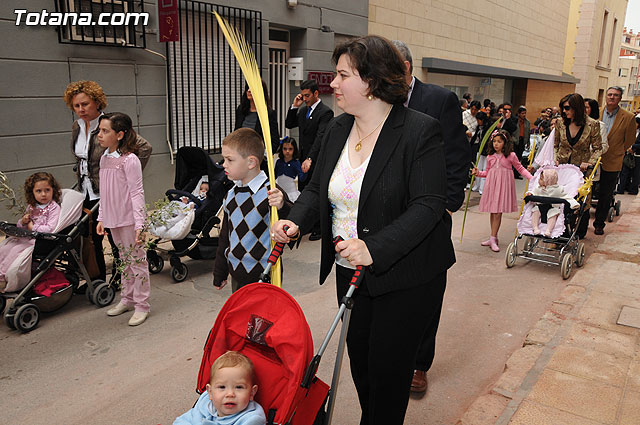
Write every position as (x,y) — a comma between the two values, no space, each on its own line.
(510,258)
(617,206)
(156,263)
(3,304)
(179,272)
(8,320)
(26,318)
(580,254)
(611,214)
(103,295)
(90,288)
(565,266)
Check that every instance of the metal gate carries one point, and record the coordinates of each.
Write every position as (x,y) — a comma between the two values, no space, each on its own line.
(205,82)
(278,86)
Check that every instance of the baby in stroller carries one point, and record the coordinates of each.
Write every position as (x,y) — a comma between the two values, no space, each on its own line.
(42,193)
(229,396)
(548,186)
(176,217)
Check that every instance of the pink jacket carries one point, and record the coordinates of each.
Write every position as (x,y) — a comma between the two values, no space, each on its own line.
(121,192)
(44,219)
(497,160)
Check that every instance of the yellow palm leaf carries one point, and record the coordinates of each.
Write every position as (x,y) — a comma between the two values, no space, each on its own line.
(247,61)
(585,189)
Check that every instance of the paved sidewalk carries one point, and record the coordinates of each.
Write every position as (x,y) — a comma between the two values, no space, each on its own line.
(578,366)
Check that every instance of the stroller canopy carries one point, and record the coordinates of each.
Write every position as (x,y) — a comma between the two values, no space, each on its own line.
(191,164)
(267,325)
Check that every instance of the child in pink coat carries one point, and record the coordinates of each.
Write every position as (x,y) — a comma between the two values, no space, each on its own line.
(122,211)
(499,194)
(42,192)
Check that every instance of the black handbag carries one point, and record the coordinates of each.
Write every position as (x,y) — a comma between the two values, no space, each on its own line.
(629,160)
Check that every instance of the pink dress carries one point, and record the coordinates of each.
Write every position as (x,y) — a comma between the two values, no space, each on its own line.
(44,220)
(499,194)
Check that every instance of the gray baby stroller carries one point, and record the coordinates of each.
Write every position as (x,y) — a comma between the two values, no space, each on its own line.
(62,250)
(562,247)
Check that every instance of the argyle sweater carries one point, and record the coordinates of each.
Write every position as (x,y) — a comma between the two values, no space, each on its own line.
(244,243)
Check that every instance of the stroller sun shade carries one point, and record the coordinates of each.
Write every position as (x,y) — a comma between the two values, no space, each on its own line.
(267,325)
(191,164)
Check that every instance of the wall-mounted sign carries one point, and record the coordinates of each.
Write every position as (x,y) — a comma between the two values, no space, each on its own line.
(323,79)
(168,25)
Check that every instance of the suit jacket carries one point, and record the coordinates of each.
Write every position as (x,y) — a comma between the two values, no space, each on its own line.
(515,136)
(311,130)
(443,105)
(621,136)
(273,127)
(401,211)
(587,149)
(95,154)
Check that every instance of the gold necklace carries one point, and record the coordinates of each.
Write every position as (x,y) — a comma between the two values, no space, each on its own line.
(359,144)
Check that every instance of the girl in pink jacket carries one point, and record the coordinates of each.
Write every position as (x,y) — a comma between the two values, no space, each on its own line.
(122,211)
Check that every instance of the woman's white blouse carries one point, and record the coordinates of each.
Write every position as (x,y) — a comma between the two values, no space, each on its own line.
(344,195)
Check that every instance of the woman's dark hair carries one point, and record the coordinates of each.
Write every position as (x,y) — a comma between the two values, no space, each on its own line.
(39,177)
(577,104)
(508,143)
(122,122)
(245,103)
(287,139)
(595,108)
(379,64)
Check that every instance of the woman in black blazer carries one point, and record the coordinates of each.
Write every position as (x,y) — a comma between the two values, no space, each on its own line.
(380,183)
(247,116)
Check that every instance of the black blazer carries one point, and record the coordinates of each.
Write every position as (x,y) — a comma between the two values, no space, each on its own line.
(311,130)
(273,127)
(401,212)
(443,105)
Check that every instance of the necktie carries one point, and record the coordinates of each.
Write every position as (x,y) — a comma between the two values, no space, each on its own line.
(308,112)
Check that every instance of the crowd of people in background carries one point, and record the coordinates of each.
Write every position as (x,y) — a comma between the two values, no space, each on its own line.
(619,176)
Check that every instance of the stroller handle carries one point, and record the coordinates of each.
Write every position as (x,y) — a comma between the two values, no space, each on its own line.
(276,252)
(356,279)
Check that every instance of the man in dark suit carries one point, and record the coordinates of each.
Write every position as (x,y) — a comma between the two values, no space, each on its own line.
(443,105)
(311,119)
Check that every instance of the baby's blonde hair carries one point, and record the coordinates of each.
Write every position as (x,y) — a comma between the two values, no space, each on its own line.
(233,359)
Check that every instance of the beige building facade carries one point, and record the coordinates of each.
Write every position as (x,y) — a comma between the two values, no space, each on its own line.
(593,45)
(629,70)
(504,52)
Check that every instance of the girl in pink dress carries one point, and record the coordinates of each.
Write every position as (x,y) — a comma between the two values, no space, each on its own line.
(42,193)
(499,194)
(122,210)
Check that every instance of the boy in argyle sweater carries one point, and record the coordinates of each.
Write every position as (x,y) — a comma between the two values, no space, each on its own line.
(244,242)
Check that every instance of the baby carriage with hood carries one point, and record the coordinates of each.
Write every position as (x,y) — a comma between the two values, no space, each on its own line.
(267,325)
(561,247)
(193,167)
(59,254)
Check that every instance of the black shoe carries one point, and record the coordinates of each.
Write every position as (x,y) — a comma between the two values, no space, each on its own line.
(315,236)
(598,231)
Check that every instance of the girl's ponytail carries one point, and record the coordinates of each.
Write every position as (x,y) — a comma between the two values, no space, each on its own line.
(122,122)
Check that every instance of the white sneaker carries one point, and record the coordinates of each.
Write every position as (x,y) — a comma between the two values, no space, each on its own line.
(138,318)
(118,310)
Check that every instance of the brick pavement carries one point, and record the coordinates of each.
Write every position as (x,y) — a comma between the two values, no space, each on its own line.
(578,365)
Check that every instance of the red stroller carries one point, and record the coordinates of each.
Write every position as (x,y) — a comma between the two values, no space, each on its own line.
(267,325)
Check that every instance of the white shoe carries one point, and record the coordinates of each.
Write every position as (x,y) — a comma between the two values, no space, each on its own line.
(138,318)
(118,310)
